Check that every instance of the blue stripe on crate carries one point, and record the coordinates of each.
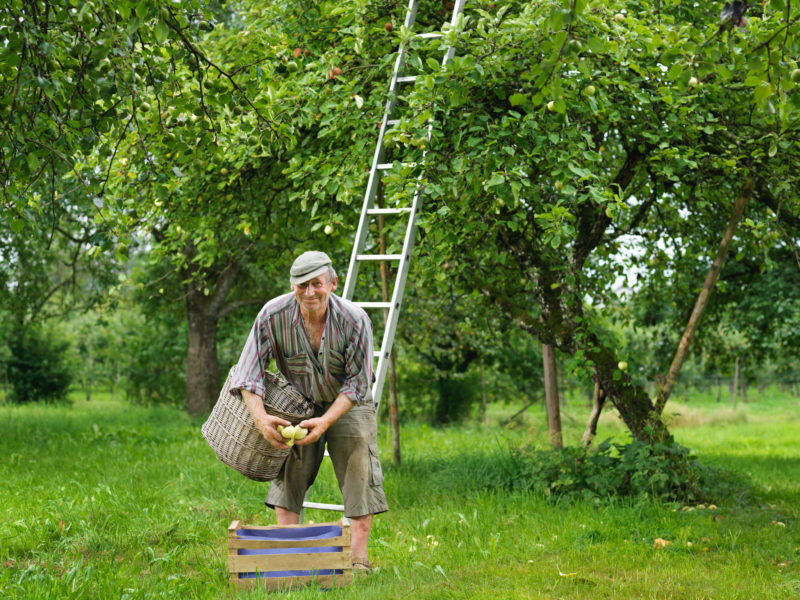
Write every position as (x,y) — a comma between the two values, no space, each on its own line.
(243,552)
(296,534)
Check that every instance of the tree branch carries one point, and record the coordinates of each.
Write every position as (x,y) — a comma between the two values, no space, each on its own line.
(702,298)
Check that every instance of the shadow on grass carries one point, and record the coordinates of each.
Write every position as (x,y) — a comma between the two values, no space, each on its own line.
(772,477)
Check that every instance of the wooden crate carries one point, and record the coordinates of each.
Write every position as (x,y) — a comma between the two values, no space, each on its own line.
(286,556)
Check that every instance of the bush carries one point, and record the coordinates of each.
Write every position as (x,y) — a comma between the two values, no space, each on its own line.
(663,471)
(37,366)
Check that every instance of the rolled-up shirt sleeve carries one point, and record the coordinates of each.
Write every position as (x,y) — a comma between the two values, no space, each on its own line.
(256,355)
(358,363)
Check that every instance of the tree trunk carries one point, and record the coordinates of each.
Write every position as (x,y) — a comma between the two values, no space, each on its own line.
(89,365)
(205,306)
(704,295)
(735,382)
(551,395)
(719,389)
(394,412)
(202,365)
(483,397)
(744,389)
(598,400)
(118,381)
(632,401)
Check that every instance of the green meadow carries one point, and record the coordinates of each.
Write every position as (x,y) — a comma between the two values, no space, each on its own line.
(108,500)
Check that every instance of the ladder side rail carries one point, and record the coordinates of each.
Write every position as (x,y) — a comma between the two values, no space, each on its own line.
(374,174)
(405,260)
(458,9)
(397,297)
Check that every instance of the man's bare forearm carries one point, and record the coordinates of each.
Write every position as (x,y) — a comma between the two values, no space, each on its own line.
(266,423)
(340,406)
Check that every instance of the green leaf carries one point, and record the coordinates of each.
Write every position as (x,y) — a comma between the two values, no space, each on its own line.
(753,81)
(675,71)
(17,225)
(517,99)
(763,91)
(496,179)
(161,32)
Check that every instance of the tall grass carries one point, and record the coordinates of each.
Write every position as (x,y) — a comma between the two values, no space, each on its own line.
(106,500)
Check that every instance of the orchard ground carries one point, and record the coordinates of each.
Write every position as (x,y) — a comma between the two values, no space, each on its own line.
(107,500)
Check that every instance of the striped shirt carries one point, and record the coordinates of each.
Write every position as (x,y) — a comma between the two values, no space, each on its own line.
(343,364)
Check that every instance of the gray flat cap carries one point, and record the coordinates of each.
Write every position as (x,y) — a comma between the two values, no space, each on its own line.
(309,265)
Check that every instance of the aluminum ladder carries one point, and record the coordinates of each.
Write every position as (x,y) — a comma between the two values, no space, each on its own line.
(369,213)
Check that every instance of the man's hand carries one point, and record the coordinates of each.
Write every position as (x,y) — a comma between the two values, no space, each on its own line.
(316,427)
(266,424)
(319,425)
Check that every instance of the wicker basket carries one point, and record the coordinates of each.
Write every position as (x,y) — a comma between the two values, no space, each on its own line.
(232,434)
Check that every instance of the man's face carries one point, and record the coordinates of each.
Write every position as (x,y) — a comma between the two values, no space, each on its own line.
(313,294)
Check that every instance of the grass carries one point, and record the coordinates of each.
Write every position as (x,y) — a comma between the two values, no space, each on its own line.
(107,500)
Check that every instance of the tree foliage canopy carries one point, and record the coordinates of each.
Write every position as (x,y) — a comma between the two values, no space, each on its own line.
(575,143)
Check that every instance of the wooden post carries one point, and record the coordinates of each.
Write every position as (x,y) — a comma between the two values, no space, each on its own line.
(703,296)
(551,395)
(483,397)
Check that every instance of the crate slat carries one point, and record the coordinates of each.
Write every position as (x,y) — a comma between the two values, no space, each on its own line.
(250,544)
(282,583)
(316,561)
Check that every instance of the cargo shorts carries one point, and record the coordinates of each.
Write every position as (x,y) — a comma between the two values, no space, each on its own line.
(352,443)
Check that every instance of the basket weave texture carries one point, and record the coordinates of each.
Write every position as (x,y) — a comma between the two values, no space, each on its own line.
(234,437)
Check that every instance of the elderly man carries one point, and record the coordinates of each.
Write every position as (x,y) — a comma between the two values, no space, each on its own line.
(322,344)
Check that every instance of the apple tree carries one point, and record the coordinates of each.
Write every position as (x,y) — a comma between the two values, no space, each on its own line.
(580,142)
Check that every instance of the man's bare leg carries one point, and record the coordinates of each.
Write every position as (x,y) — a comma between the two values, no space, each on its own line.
(360,527)
(286,517)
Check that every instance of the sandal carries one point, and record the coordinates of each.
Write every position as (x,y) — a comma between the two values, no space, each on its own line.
(362,566)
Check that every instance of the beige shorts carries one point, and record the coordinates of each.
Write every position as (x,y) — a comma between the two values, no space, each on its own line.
(352,443)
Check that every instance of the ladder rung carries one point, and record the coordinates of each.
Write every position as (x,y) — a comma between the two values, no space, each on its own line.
(374,304)
(392,122)
(379,257)
(407,79)
(376,354)
(428,36)
(388,211)
(388,166)
(323,506)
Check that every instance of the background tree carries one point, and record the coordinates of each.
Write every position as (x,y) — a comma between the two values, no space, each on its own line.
(568,129)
